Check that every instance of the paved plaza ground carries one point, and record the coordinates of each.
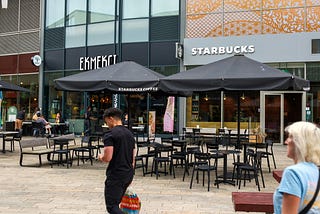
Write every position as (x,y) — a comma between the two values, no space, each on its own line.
(79,189)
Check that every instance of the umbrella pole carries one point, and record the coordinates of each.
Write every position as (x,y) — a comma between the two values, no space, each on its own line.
(129,113)
(238,123)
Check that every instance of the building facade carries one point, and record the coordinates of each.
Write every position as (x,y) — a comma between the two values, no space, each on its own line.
(19,42)
(77,34)
(282,34)
(83,35)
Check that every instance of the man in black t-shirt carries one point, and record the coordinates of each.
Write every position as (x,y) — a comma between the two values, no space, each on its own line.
(119,152)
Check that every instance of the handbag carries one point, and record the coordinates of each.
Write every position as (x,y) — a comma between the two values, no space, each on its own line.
(130,202)
(309,205)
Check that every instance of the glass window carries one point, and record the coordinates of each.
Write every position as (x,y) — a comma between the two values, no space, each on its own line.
(313,71)
(135,9)
(26,100)
(102,33)
(164,7)
(75,36)
(135,30)
(101,10)
(54,13)
(54,96)
(76,12)
(315,46)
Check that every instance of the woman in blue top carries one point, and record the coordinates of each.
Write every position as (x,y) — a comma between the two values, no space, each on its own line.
(299,181)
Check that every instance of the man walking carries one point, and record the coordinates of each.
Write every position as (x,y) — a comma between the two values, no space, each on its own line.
(119,152)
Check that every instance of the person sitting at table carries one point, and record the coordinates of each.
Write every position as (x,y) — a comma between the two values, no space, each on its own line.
(35,117)
(46,124)
(58,128)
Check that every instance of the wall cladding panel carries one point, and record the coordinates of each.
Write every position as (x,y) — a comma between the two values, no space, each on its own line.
(29,42)
(9,44)
(9,17)
(30,14)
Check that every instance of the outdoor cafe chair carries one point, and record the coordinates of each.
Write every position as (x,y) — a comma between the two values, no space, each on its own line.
(85,151)
(145,150)
(268,151)
(179,156)
(38,129)
(60,148)
(12,139)
(250,169)
(162,158)
(139,158)
(202,164)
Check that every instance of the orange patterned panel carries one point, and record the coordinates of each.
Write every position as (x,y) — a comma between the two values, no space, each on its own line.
(197,28)
(313,2)
(313,17)
(244,23)
(203,7)
(275,4)
(236,5)
(283,21)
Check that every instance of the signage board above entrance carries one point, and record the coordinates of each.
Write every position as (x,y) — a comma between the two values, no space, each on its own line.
(90,63)
(237,49)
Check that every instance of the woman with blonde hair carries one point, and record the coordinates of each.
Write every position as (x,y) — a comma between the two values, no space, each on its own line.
(299,181)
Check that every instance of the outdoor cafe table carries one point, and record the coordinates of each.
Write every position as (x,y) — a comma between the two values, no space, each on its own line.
(4,134)
(63,141)
(225,178)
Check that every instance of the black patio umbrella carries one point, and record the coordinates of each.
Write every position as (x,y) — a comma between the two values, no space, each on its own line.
(236,73)
(124,77)
(5,86)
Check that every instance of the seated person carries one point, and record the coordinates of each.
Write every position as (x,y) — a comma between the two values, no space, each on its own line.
(46,124)
(58,128)
(35,115)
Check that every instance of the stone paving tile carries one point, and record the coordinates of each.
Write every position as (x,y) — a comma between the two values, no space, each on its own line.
(79,189)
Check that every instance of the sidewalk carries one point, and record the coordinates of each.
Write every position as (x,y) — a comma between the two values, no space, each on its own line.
(79,189)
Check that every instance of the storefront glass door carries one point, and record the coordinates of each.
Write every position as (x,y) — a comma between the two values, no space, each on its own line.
(280,109)
(273,112)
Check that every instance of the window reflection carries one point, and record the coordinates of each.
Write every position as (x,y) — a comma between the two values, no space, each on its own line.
(101,10)
(130,9)
(135,30)
(75,36)
(76,12)
(164,7)
(102,33)
(54,13)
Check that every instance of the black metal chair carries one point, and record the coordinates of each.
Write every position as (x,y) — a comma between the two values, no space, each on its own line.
(202,164)
(86,151)
(179,156)
(38,129)
(251,169)
(60,148)
(268,152)
(162,158)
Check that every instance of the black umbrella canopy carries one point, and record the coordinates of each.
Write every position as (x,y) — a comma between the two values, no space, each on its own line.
(123,77)
(5,86)
(235,73)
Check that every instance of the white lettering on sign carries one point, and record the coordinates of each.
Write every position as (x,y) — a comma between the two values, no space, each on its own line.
(90,63)
(237,49)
